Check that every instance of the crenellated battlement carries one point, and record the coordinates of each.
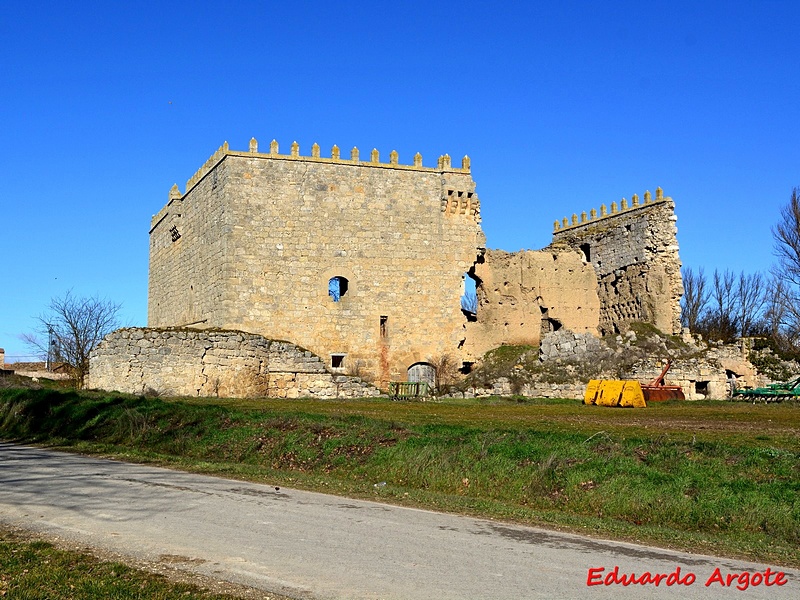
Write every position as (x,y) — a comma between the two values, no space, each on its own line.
(444,163)
(606,212)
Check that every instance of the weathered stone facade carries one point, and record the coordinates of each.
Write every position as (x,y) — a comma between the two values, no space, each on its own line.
(363,262)
(524,294)
(258,239)
(702,371)
(634,251)
(600,273)
(188,362)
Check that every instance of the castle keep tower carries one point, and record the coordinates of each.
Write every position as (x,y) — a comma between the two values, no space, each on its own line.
(634,251)
(360,261)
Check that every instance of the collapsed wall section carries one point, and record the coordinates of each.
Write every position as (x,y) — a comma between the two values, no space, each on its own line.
(523,295)
(214,363)
(634,252)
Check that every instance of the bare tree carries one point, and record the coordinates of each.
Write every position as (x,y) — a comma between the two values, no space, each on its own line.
(446,370)
(784,308)
(719,321)
(723,292)
(787,239)
(695,298)
(775,306)
(750,299)
(73,327)
(786,302)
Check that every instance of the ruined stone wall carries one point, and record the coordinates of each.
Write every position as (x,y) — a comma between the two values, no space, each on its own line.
(504,387)
(254,241)
(524,294)
(225,364)
(566,344)
(705,377)
(634,251)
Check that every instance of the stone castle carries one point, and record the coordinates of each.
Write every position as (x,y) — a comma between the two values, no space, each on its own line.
(363,264)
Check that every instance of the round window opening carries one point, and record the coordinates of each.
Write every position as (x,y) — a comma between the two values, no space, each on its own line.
(337,287)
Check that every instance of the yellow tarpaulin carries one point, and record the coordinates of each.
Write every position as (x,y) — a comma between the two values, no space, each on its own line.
(614,392)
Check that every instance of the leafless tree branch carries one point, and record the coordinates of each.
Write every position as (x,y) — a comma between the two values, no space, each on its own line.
(73,327)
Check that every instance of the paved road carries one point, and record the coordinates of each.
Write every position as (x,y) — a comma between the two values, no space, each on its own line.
(309,545)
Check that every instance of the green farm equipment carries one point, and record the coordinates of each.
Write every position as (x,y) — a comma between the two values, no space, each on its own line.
(774,392)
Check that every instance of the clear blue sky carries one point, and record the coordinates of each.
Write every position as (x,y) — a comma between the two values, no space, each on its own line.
(562,106)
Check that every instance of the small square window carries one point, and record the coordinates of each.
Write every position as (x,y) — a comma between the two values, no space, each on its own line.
(337,361)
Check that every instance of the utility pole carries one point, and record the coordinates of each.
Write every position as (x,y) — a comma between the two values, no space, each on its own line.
(50,342)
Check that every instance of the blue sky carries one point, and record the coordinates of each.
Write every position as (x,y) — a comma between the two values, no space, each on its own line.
(562,106)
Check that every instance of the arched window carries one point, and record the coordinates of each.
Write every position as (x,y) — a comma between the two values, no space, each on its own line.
(337,287)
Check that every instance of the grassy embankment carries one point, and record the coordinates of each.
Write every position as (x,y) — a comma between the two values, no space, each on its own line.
(35,570)
(719,478)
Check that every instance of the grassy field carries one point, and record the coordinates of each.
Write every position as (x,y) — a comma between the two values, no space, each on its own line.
(32,570)
(718,478)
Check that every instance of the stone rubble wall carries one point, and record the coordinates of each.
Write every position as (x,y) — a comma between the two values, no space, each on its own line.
(214,363)
(41,374)
(566,344)
(687,373)
(504,387)
(634,252)
(707,376)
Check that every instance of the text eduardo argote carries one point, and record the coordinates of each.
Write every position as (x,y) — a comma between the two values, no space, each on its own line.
(737,580)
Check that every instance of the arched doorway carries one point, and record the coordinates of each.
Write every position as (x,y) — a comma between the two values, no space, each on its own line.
(422,371)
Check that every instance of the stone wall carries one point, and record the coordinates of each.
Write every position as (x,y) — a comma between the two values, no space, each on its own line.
(504,387)
(189,362)
(3,370)
(634,251)
(569,345)
(702,372)
(256,238)
(705,377)
(526,294)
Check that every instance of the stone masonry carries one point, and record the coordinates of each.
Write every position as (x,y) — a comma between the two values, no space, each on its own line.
(568,344)
(634,252)
(523,295)
(363,262)
(600,273)
(360,261)
(188,362)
